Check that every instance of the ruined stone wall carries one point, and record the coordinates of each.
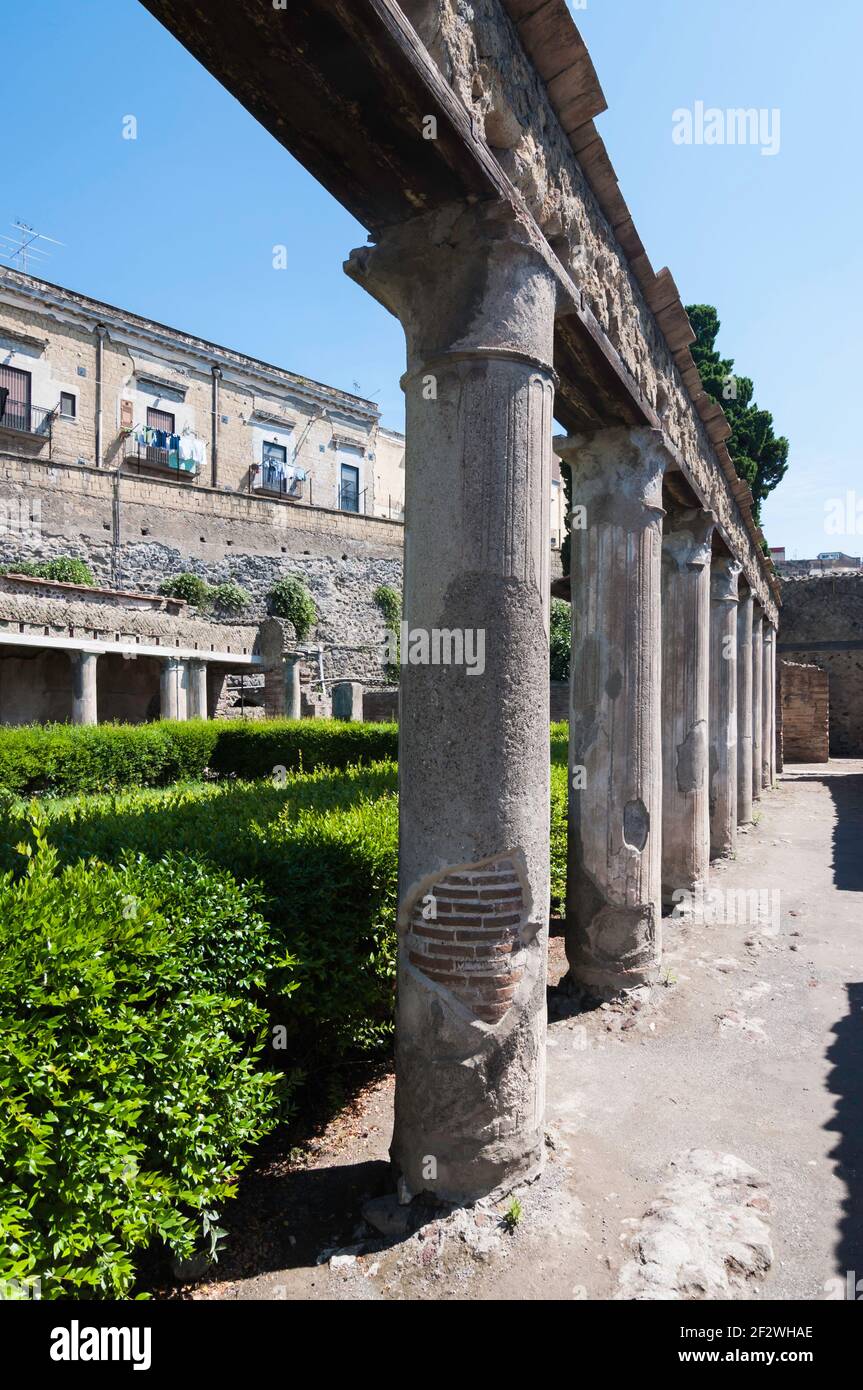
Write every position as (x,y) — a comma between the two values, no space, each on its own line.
(822,623)
(479,54)
(165,529)
(805,713)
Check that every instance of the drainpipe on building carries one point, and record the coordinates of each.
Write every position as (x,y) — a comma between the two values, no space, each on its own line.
(214,442)
(101,331)
(115,524)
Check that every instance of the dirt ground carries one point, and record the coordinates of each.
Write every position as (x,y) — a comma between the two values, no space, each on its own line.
(750,1049)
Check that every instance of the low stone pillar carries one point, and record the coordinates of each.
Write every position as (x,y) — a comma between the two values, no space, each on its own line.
(767,698)
(477,303)
(348,700)
(85,709)
(198,703)
(613,909)
(757,686)
(685,700)
(724,574)
(173,688)
(744,707)
(293,696)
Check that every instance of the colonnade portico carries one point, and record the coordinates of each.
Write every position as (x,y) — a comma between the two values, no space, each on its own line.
(503,257)
(664,673)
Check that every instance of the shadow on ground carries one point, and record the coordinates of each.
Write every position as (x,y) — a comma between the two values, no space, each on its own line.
(846,1082)
(846,790)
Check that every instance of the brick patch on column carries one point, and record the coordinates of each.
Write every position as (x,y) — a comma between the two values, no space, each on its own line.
(473,947)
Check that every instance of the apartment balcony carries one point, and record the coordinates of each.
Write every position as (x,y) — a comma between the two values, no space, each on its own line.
(268,482)
(24,421)
(163,463)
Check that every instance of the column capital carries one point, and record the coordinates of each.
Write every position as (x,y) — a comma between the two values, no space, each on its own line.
(618,472)
(686,537)
(725,572)
(466,282)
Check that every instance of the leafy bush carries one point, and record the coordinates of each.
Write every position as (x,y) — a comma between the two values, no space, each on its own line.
(190,587)
(70,758)
(230,598)
(560,639)
(289,598)
(64,570)
(130,1094)
(390,605)
(324,847)
(255,750)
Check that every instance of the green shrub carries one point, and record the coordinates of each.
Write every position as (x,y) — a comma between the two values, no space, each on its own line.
(230,598)
(289,598)
(190,587)
(560,640)
(130,1094)
(249,751)
(69,758)
(389,603)
(64,570)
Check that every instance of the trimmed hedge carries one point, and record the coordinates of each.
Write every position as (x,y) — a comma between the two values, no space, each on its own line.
(68,758)
(131,1093)
(324,847)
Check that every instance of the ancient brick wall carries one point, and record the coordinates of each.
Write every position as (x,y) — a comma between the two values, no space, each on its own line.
(805,714)
(822,624)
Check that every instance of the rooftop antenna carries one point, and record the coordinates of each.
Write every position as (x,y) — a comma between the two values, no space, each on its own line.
(24,246)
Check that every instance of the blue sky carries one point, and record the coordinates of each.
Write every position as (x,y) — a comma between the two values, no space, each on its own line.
(180,223)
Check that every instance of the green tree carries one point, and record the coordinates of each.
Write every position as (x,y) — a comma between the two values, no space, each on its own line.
(760,457)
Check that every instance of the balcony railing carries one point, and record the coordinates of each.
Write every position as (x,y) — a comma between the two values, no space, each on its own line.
(143,458)
(271,483)
(21,417)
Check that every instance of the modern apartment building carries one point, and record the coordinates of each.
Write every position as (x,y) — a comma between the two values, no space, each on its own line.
(82,382)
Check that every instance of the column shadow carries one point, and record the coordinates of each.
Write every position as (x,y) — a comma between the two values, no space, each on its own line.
(846,789)
(846,1055)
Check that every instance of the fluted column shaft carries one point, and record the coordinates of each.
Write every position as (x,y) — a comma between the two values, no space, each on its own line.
(724,574)
(685,700)
(744,707)
(767,705)
(613,911)
(757,689)
(477,304)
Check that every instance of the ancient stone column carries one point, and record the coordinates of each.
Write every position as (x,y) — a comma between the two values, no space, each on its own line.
(757,684)
(293,699)
(84,699)
(477,303)
(744,707)
(724,574)
(685,700)
(348,700)
(173,688)
(613,911)
(767,650)
(198,690)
